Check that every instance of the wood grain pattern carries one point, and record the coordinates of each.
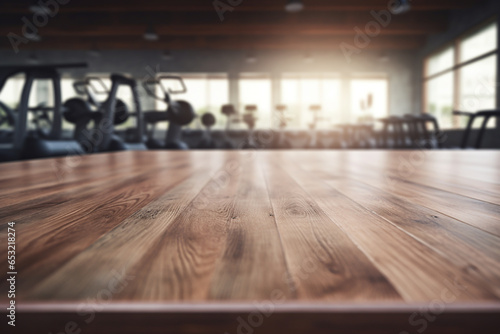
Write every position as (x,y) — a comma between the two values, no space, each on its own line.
(307,233)
(325,263)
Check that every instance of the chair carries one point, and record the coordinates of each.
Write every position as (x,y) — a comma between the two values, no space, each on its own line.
(394,133)
(357,136)
(486,115)
(419,131)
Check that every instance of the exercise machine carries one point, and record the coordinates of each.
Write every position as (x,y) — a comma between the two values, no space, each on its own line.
(81,112)
(230,112)
(280,141)
(313,143)
(106,116)
(46,140)
(250,119)
(207,142)
(178,113)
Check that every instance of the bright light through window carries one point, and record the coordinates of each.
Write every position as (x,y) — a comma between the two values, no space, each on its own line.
(11,92)
(255,89)
(439,96)
(369,99)
(300,91)
(478,88)
(479,43)
(441,61)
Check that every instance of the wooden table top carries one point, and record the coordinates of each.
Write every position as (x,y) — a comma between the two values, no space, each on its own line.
(320,232)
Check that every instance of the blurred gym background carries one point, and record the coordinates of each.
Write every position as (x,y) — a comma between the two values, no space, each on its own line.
(310,74)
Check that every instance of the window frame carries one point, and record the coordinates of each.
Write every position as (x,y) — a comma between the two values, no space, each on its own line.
(458,65)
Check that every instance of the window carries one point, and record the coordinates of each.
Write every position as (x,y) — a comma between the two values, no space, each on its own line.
(300,91)
(479,43)
(42,92)
(206,93)
(442,61)
(255,89)
(369,99)
(462,77)
(11,94)
(440,99)
(11,91)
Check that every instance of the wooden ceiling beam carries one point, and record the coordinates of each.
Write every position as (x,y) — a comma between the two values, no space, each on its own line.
(21,6)
(84,19)
(397,27)
(216,42)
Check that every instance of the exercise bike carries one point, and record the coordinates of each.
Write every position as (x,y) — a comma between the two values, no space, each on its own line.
(250,119)
(101,137)
(281,142)
(230,112)
(207,142)
(314,142)
(178,114)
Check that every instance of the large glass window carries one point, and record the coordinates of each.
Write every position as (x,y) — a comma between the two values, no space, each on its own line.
(301,91)
(477,87)
(369,99)
(441,61)
(256,89)
(440,99)
(479,43)
(462,77)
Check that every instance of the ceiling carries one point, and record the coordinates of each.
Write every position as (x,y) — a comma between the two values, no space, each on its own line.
(195,24)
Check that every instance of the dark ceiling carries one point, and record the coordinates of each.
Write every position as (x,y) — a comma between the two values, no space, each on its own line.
(252,24)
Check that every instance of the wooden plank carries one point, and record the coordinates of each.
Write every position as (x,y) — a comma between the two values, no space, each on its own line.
(16,6)
(404,260)
(483,215)
(61,230)
(232,30)
(30,175)
(253,264)
(324,263)
(225,42)
(173,235)
(469,248)
(88,175)
(43,204)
